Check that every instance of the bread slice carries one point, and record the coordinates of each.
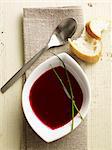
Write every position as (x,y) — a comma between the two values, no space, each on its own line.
(89,50)
(89,46)
(95,27)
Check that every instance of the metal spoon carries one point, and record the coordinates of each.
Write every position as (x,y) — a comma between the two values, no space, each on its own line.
(59,37)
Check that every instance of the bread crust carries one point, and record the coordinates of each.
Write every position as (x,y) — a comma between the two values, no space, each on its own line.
(90,32)
(87,58)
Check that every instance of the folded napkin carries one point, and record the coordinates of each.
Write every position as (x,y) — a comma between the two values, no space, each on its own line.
(38,24)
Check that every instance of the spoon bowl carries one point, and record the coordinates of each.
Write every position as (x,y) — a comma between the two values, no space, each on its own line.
(62,32)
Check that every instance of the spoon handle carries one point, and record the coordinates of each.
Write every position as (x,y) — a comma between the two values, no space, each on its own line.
(18,74)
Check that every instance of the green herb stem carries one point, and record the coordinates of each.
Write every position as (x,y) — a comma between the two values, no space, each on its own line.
(77,110)
(66,91)
(71,90)
(70,95)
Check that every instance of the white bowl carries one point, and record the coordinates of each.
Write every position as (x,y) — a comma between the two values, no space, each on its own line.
(41,129)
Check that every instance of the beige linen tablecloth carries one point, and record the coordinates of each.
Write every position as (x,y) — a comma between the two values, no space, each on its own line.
(38,24)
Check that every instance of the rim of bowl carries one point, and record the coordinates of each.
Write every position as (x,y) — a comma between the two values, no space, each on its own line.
(53,133)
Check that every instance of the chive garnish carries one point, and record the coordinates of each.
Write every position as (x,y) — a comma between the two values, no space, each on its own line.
(70,86)
(69,95)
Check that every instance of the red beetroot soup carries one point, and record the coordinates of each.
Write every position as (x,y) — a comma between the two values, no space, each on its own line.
(49,101)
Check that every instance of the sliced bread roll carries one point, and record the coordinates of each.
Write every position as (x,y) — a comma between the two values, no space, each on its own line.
(95,27)
(86,49)
(89,46)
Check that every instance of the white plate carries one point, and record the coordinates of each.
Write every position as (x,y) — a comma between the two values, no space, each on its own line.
(41,129)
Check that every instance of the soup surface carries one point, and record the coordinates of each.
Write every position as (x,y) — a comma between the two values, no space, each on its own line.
(48,100)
